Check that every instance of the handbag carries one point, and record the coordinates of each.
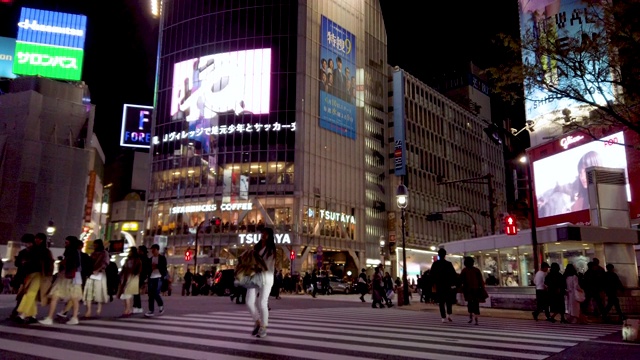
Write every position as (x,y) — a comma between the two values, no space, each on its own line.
(254,281)
(482,295)
(579,295)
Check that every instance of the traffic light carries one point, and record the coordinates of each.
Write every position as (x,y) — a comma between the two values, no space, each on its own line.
(188,255)
(217,225)
(510,226)
(292,255)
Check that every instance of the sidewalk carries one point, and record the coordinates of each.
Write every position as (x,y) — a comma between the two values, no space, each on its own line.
(462,310)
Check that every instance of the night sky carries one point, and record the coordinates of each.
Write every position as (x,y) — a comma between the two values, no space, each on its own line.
(424,38)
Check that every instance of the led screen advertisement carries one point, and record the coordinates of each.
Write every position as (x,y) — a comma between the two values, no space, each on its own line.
(567,20)
(337,79)
(560,180)
(50,44)
(7,51)
(136,126)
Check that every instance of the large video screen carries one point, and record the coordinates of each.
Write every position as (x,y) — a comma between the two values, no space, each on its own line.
(560,180)
(233,82)
(337,79)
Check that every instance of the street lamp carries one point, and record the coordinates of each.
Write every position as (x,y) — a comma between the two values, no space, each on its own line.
(51,229)
(532,216)
(402,195)
(382,242)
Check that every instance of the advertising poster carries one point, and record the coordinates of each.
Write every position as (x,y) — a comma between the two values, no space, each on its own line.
(569,20)
(234,186)
(337,75)
(560,180)
(50,44)
(7,50)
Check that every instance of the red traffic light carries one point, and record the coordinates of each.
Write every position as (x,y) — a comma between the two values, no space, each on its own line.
(217,222)
(510,226)
(188,255)
(292,255)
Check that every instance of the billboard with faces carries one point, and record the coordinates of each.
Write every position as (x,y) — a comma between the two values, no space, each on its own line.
(337,76)
(560,180)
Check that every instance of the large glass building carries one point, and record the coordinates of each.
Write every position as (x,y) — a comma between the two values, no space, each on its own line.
(270,114)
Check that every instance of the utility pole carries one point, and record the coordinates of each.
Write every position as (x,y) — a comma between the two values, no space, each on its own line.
(485,179)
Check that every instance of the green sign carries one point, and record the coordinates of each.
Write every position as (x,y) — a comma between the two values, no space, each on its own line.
(47,61)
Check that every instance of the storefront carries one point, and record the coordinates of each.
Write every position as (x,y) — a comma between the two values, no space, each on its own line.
(509,258)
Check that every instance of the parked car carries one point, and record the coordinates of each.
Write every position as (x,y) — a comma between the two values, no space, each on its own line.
(223,282)
(336,285)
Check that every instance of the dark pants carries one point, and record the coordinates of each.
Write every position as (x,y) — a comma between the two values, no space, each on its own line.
(444,299)
(154,293)
(315,290)
(597,297)
(473,307)
(613,301)
(542,303)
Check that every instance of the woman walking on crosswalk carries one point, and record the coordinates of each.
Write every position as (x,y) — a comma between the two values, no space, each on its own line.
(265,253)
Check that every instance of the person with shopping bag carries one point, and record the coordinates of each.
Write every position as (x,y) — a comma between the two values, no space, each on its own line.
(472,288)
(445,280)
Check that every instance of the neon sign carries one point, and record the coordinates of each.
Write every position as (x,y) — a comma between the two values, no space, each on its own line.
(335,216)
(136,126)
(33,25)
(255,238)
(565,142)
(222,130)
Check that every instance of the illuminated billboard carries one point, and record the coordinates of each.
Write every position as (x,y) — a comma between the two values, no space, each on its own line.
(233,82)
(568,21)
(136,126)
(50,44)
(337,76)
(560,179)
(7,50)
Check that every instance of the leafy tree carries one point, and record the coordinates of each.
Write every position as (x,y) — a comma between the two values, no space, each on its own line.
(602,62)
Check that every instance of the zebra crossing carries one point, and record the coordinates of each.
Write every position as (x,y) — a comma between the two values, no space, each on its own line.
(344,333)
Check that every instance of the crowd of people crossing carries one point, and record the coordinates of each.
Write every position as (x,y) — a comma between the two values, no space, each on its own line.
(83,279)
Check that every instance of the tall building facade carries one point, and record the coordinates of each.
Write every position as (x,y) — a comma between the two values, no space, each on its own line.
(51,167)
(450,167)
(270,115)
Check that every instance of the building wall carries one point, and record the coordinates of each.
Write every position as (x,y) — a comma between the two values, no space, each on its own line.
(445,142)
(44,163)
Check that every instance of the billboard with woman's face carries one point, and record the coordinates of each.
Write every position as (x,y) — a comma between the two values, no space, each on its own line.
(560,180)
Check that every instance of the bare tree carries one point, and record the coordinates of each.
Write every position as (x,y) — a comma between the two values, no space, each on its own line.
(596,67)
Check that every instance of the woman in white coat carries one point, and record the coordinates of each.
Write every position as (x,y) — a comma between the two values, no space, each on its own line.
(265,250)
(573,301)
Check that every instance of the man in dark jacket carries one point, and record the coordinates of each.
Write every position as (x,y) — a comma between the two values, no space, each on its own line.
(612,285)
(157,275)
(445,279)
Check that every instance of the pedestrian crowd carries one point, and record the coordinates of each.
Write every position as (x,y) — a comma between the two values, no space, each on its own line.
(83,279)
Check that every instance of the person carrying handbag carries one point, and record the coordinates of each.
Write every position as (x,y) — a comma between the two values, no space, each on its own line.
(472,288)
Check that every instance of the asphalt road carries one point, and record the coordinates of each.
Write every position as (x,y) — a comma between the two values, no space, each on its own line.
(321,328)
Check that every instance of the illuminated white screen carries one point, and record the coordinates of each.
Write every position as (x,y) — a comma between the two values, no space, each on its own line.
(229,82)
(558,185)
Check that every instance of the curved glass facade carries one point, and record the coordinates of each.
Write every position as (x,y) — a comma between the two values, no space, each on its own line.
(247,132)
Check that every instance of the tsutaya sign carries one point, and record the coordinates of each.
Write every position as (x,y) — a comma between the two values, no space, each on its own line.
(255,238)
(211,207)
(330,215)
(222,130)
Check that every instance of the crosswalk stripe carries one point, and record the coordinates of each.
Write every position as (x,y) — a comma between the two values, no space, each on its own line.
(343,333)
(292,337)
(528,328)
(401,344)
(48,351)
(421,334)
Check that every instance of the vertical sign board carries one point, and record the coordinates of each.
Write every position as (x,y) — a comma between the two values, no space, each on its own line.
(337,76)
(7,50)
(399,150)
(50,44)
(136,126)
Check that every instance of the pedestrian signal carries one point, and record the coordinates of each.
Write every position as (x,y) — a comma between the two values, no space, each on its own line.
(292,255)
(510,226)
(188,255)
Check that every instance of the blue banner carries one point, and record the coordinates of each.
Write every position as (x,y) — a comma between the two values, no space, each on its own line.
(337,79)
(52,28)
(7,51)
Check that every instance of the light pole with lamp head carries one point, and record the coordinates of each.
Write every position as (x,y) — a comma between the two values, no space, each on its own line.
(382,242)
(51,230)
(402,195)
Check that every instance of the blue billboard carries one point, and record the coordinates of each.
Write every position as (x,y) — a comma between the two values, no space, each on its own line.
(52,28)
(399,147)
(563,23)
(337,79)
(7,50)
